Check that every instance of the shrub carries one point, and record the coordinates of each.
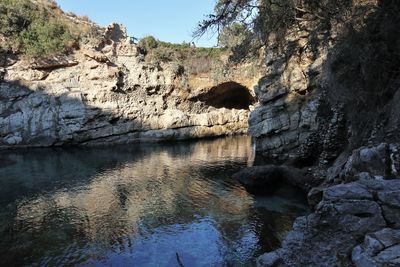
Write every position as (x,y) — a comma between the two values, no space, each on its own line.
(46,38)
(196,60)
(33,29)
(147,43)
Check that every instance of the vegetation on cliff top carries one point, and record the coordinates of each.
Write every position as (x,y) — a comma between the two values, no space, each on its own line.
(195,59)
(37,28)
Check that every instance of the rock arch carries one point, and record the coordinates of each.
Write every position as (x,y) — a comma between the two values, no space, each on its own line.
(230,95)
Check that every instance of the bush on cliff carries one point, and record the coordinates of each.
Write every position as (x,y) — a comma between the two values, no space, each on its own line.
(46,37)
(148,43)
(33,29)
(195,59)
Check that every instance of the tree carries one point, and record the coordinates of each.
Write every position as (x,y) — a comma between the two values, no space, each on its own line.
(263,17)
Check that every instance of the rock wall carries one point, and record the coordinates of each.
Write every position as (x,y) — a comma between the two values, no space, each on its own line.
(293,107)
(322,92)
(107,93)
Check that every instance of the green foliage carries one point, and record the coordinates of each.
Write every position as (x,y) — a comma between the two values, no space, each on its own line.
(240,40)
(33,30)
(45,37)
(195,59)
(147,43)
(275,16)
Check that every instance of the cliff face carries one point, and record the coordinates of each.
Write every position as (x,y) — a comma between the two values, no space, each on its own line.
(289,96)
(107,93)
(323,93)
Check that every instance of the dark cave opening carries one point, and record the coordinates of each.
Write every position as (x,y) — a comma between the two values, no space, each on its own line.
(230,95)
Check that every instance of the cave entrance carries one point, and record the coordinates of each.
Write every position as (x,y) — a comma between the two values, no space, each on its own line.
(230,95)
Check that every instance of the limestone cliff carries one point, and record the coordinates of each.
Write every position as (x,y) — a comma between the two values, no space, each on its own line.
(106,92)
(323,92)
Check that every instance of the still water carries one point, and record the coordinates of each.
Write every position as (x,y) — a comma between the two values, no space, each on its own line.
(138,205)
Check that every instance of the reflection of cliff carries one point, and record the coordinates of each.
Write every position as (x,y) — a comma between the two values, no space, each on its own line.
(152,183)
(110,197)
(50,168)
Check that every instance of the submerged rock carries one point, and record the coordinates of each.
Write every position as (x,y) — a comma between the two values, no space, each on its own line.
(266,178)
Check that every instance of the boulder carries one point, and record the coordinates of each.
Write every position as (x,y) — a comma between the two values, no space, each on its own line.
(347,191)
(260,178)
(367,163)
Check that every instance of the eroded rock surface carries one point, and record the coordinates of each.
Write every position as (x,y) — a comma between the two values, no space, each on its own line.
(292,108)
(107,93)
(368,208)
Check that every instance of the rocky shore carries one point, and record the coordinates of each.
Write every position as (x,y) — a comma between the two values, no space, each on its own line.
(356,211)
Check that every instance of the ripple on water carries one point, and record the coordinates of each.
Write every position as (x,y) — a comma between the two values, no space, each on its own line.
(139,205)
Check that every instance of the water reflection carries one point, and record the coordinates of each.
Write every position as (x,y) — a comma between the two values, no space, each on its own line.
(138,205)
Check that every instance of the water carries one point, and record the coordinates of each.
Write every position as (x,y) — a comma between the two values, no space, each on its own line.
(138,205)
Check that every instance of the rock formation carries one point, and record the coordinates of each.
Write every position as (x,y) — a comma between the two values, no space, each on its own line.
(106,93)
(319,97)
(346,214)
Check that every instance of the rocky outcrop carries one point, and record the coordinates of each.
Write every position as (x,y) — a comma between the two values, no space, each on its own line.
(319,97)
(365,207)
(290,104)
(346,214)
(295,119)
(106,93)
(377,161)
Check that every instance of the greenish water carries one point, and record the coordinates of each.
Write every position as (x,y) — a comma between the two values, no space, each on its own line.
(138,205)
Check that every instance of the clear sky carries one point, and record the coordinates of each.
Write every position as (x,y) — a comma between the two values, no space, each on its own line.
(167,20)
